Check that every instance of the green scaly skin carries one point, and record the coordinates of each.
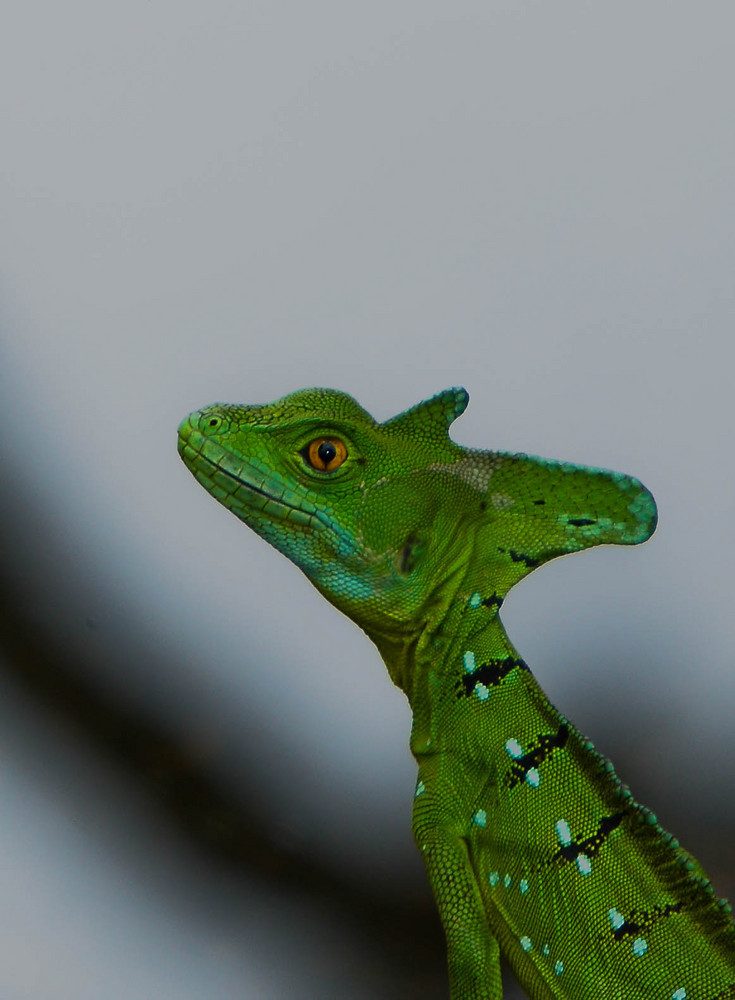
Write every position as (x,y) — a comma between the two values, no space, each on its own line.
(532,845)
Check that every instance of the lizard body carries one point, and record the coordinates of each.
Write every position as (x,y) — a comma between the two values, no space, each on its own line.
(532,845)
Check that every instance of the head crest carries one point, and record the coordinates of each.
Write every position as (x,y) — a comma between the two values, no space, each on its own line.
(431,418)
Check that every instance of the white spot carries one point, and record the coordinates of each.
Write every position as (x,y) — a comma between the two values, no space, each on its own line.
(616,918)
(545,949)
(420,789)
(526,943)
(501,501)
(474,469)
(533,778)
(584,864)
(523,885)
(680,994)
(640,947)
(482,692)
(514,748)
(480,817)
(475,601)
(558,968)
(507,881)
(493,878)
(563,832)
(469,661)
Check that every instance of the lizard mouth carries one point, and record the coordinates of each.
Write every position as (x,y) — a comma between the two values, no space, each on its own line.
(234,482)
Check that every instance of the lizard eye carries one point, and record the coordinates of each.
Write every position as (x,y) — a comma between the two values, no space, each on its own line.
(325,454)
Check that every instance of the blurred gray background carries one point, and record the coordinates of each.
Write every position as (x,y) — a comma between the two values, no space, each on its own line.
(205,781)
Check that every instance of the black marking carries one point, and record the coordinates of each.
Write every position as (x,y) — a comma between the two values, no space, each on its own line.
(580,522)
(591,846)
(408,556)
(360,460)
(642,920)
(541,749)
(483,505)
(405,561)
(491,674)
(522,557)
(493,601)
(539,503)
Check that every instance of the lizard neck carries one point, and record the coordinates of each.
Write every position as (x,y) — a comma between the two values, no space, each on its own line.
(466,683)
(461,638)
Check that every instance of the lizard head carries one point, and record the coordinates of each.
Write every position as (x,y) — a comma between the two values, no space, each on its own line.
(384,518)
(335,491)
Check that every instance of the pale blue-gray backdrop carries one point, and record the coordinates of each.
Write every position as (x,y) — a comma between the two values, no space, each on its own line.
(229,201)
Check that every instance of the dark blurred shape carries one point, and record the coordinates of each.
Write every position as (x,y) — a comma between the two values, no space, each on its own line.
(404,934)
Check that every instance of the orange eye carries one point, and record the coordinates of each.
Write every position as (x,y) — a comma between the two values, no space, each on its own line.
(325,454)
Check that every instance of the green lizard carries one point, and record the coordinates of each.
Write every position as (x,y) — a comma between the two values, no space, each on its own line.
(532,845)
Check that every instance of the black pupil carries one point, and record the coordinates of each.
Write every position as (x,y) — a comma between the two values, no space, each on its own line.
(327,452)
